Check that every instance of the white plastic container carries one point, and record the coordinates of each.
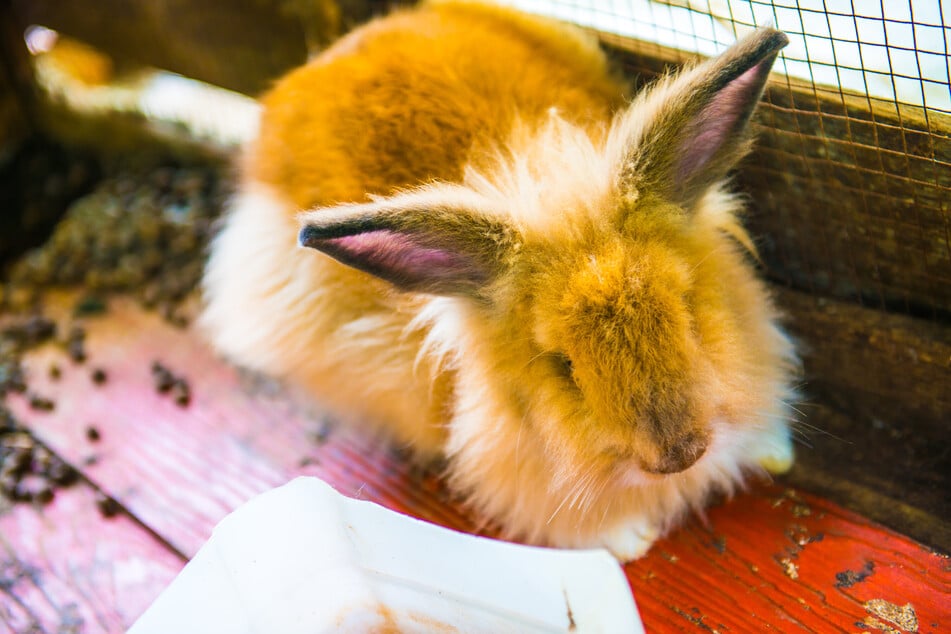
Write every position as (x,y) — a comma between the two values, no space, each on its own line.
(304,559)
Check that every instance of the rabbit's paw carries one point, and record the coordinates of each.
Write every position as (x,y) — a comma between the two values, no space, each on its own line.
(630,540)
(777,453)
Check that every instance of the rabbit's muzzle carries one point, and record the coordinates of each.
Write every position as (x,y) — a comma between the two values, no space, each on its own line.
(678,455)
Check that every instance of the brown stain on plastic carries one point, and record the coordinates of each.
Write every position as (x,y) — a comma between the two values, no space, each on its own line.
(572,626)
(391,625)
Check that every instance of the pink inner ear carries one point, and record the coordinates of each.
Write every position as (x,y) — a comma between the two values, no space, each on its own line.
(401,259)
(719,120)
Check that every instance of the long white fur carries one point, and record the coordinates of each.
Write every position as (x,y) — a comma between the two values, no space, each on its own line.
(376,356)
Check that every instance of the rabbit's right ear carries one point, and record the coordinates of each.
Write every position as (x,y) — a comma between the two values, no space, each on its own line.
(440,239)
(686,132)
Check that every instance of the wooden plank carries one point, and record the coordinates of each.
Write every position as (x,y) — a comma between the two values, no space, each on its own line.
(871,363)
(876,412)
(232,441)
(180,469)
(787,561)
(65,568)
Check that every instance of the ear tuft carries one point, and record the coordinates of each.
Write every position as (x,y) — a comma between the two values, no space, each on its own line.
(697,122)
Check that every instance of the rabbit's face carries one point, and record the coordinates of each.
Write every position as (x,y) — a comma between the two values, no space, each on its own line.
(603,310)
(619,339)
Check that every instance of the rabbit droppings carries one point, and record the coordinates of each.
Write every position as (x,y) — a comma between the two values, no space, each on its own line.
(519,272)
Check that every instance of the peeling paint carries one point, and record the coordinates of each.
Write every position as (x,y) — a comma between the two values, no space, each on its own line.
(789,567)
(801,510)
(696,620)
(799,535)
(903,616)
(848,578)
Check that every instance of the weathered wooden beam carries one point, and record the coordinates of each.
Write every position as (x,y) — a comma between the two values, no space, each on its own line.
(16,86)
(877,392)
(238,44)
(876,365)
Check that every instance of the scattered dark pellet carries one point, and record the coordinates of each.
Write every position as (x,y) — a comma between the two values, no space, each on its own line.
(165,381)
(11,377)
(99,376)
(321,434)
(41,404)
(8,483)
(19,440)
(162,377)
(19,492)
(44,495)
(76,344)
(35,330)
(61,473)
(7,422)
(33,487)
(107,506)
(42,459)
(176,319)
(181,392)
(142,230)
(89,305)
(39,329)
(17,461)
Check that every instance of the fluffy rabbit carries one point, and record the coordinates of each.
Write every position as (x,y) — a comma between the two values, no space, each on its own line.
(516,268)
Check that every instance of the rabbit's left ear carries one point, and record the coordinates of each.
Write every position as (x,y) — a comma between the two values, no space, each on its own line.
(438,239)
(685,133)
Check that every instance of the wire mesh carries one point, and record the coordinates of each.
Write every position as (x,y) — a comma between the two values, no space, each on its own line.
(852,176)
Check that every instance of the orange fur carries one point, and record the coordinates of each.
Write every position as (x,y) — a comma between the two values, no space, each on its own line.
(579,332)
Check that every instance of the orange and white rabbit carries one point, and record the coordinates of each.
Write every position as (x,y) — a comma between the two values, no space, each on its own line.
(515,268)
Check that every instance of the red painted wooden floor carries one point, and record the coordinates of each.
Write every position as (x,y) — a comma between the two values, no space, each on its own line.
(769,559)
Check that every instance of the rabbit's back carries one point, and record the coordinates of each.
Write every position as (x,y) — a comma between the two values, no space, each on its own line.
(417,96)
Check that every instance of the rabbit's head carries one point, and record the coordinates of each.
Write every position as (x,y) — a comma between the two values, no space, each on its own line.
(595,275)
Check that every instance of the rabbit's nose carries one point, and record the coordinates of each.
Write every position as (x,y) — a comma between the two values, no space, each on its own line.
(678,455)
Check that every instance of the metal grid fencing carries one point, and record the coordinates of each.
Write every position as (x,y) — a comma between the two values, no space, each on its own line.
(851,181)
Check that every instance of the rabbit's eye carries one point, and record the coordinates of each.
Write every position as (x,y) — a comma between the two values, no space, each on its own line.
(566,365)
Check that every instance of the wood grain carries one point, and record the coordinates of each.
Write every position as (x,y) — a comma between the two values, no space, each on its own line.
(876,404)
(179,470)
(782,560)
(65,568)
(238,436)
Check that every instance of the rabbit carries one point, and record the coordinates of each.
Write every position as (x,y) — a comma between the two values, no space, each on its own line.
(456,227)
